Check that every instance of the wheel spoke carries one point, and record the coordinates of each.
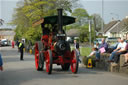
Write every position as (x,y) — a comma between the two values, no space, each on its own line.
(36,57)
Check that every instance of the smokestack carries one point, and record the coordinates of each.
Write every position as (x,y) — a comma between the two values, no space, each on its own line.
(60,19)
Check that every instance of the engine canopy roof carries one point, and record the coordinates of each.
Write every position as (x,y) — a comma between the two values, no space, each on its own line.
(54,20)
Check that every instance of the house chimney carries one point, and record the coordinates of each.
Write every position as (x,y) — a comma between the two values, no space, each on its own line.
(113,19)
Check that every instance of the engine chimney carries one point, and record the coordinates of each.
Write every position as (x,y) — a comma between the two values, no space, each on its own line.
(60,19)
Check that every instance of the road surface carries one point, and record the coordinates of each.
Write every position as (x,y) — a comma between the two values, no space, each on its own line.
(18,72)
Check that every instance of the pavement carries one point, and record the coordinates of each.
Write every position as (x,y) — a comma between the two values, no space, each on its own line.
(18,72)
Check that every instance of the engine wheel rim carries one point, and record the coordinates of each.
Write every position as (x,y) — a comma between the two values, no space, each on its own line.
(47,62)
(74,64)
(36,56)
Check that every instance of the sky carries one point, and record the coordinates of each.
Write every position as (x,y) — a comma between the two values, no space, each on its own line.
(118,9)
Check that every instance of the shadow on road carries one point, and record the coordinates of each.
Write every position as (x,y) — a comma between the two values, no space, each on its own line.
(11,59)
(16,77)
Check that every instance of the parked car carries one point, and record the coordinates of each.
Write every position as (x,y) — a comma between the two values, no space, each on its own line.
(5,42)
(98,40)
(112,41)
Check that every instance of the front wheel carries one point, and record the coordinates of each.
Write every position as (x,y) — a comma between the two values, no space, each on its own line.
(49,62)
(75,62)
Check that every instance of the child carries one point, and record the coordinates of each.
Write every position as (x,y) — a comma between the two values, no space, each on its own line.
(1,63)
(90,56)
(94,50)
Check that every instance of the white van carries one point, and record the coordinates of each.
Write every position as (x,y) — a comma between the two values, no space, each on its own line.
(5,42)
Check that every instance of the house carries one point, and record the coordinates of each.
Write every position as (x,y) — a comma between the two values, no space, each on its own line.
(7,34)
(72,34)
(116,28)
(108,27)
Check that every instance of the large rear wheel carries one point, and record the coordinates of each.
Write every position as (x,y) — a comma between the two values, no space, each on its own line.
(75,62)
(39,61)
(49,62)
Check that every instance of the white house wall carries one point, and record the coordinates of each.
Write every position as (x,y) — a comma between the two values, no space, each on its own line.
(108,34)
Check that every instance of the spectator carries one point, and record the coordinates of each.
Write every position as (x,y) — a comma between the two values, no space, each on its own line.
(1,63)
(94,50)
(91,56)
(103,45)
(114,50)
(96,46)
(122,50)
(126,57)
(110,50)
(76,46)
(102,48)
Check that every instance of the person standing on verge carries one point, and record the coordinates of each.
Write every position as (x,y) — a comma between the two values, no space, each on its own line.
(1,63)
(76,45)
(21,47)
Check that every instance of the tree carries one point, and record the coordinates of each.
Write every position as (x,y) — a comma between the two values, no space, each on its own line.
(82,24)
(29,11)
(81,16)
(67,5)
(97,21)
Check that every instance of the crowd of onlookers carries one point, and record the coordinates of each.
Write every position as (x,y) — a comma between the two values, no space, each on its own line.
(115,52)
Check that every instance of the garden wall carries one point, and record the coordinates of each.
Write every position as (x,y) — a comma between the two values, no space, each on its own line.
(105,65)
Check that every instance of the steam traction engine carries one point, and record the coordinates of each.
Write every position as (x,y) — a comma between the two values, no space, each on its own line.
(53,47)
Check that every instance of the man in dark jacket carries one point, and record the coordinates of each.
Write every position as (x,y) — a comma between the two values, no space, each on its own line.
(76,45)
(103,45)
(21,47)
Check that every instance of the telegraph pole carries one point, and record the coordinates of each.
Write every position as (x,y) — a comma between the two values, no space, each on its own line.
(102,26)
(90,32)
